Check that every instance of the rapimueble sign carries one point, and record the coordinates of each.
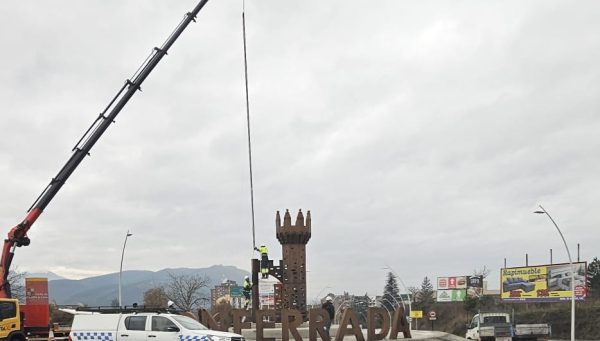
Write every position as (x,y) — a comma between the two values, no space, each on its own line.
(543,283)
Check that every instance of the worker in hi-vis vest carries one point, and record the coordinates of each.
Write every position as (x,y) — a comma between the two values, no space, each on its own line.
(247,291)
(264,260)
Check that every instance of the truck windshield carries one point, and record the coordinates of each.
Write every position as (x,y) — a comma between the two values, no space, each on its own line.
(494,319)
(189,323)
(8,310)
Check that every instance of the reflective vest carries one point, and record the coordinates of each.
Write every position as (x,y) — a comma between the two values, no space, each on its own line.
(263,250)
(247,285)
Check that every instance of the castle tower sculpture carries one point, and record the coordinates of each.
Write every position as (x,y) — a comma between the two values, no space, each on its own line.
(293,240)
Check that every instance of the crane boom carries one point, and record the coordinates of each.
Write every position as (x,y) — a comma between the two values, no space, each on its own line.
(17,236)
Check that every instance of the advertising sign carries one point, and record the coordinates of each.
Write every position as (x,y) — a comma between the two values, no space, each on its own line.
(36,297)
(474,281)
(543,283)
(36,291)
(458,282)
(474,286)
(236,291)
(452,295)
(266,291)
(266,288)
(416,314)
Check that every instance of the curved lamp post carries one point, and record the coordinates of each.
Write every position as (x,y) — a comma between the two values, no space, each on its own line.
(344,304)
(395,300)
(317,298)
(543,211)
(391,313)
(405,289)
(121,267)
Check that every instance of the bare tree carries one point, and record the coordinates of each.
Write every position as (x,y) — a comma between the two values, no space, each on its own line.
(155,297)
(414,291)
(184,291)
(16,280)
(482,272)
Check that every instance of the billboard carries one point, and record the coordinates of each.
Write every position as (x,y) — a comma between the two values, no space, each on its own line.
(266,291)
(543,283)
(451,295)
(451,289)
(458,282)
(474,286)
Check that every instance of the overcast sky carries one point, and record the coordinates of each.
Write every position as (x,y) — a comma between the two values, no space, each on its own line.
(421,135)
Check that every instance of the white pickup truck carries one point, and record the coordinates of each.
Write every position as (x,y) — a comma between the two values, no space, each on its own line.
(497,327)
(143,327)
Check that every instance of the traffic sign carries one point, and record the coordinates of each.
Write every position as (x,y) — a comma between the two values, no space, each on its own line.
(236,291)
(418,314)
(432,315)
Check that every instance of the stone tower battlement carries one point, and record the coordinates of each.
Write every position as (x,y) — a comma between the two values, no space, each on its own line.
(293,240)
(299,233)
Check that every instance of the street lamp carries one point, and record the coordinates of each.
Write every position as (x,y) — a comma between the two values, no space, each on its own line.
(343,304)
(317,298)
(398,303)
(405,289)
(121,267)
(391,313)
(543,211)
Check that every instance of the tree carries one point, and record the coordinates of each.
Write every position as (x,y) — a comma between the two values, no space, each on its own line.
(114,302)
(391,295)
(223,311)
(484,272)
(16,280)
(424,298)
(470,303)
(593,273)
(413,293)
(184,291)
(155,297)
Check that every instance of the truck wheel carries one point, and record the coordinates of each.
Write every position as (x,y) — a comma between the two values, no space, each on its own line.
(17,337)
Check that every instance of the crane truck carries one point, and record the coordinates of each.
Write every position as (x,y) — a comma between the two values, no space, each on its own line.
(13,317)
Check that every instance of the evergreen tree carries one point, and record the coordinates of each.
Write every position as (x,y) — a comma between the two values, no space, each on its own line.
(470,304)
(425,295)
(593,274)
(391,294)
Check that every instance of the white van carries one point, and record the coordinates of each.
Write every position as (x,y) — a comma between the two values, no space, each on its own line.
(143,327)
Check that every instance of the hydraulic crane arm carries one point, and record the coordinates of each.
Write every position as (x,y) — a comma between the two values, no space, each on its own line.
(17,236)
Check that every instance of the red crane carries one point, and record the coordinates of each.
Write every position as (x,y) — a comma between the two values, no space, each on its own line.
(17,236)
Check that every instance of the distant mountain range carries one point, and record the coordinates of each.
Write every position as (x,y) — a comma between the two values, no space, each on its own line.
(102,290)
(50,275)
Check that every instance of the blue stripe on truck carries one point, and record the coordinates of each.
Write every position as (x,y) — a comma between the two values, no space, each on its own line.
(102,336)
(194,338)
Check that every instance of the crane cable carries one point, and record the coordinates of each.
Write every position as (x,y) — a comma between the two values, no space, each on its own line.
(248,121)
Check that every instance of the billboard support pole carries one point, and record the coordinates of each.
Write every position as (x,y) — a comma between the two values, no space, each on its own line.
(550,256)
(526,259)
(543,211)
